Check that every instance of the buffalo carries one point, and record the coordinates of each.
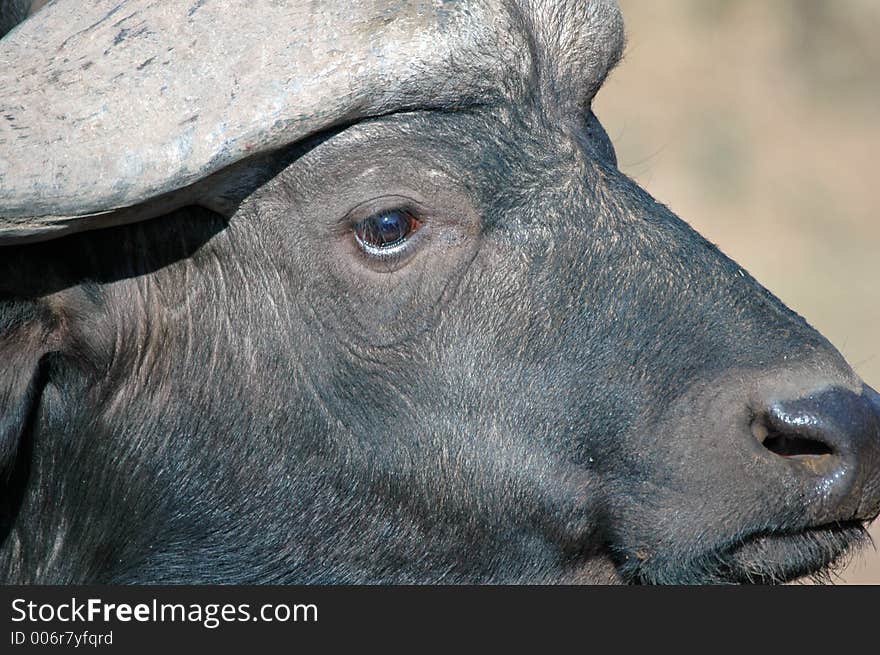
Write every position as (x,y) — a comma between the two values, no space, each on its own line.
(354,292)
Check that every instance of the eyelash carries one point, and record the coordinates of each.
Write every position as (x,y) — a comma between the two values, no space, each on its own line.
(383,253)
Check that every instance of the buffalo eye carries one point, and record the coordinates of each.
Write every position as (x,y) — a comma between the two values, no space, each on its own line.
(385,231)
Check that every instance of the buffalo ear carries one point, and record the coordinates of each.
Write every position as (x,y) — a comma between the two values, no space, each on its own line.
(28,332)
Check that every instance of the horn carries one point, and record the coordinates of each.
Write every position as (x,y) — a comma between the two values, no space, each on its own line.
(114,111)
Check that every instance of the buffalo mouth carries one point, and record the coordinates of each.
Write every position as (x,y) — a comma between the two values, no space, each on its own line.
(816,553)
(767,557)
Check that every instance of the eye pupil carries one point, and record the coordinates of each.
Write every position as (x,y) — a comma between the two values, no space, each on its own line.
(386,229)
(391,228)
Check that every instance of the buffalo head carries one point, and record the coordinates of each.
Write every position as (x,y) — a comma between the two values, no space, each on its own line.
(354,291)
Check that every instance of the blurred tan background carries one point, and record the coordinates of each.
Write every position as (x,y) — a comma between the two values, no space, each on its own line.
(758,122)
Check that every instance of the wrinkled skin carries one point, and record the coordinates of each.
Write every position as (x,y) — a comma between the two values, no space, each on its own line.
(553,383)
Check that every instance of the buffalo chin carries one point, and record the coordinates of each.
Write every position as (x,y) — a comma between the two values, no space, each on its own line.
(776,558)
(772,557)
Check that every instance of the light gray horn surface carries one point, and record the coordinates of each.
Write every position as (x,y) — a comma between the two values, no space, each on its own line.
(107,104)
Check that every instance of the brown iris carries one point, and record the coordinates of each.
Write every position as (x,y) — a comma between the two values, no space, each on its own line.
(385,230)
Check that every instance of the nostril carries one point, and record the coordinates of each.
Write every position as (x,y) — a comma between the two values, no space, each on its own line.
(826,447)
(788,443)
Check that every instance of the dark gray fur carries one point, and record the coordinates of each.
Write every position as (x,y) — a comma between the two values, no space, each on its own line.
(554,385)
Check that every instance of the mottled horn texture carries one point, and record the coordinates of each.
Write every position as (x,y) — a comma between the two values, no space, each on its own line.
(110,106)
